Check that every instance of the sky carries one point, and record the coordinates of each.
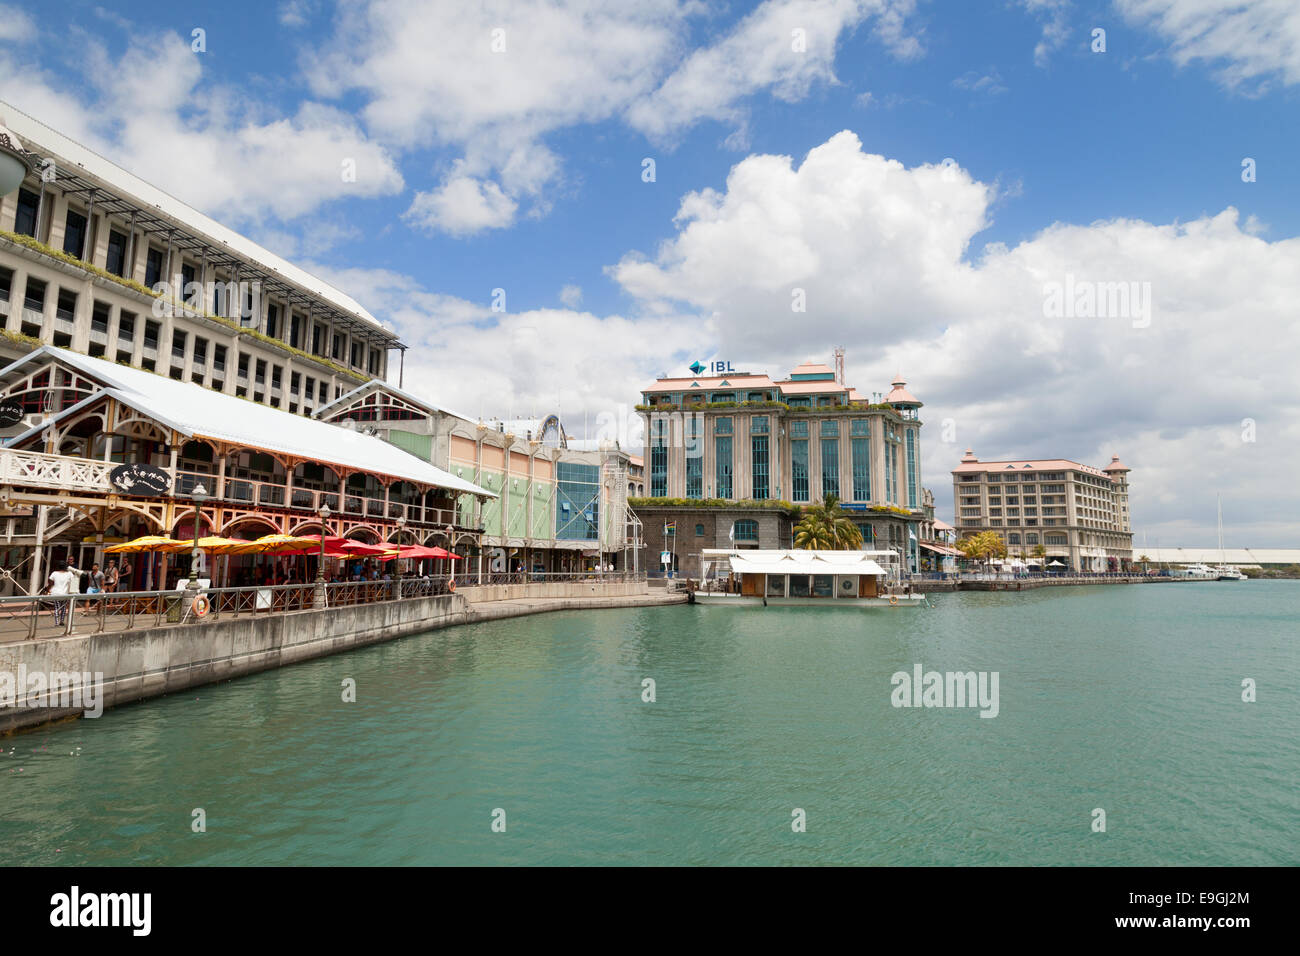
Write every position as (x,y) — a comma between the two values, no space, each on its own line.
(1071,225)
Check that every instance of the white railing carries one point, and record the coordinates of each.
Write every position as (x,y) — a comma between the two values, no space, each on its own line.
(54,471)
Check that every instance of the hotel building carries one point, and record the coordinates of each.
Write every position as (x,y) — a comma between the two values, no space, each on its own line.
(751,450)
(98,261)
(1078,515)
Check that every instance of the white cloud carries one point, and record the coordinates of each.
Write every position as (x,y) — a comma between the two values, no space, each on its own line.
(489,81)
(151,112)
(571,296)
(1252,40)
(477,362)
(974,81)
(15,25)
(462,206)
(1054,15)
(882,256)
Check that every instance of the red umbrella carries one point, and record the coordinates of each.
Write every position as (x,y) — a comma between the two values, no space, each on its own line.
(359,549)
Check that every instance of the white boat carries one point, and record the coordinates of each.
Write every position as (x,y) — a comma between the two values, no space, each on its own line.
(1223,573)
(797,578)
(1197,572)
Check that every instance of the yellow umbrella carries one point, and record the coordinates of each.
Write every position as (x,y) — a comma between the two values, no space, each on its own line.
(150,542)
(277,544)
(218,545)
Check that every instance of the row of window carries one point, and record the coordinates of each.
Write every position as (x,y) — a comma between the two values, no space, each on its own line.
(76,242)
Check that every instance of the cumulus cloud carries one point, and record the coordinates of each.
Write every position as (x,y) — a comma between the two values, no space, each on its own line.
(1250,40)
(885,259)
(571,296)
(489,82)
(1053,14)
(151,111)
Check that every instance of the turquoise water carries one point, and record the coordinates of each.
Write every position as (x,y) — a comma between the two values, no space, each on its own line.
(1123,698)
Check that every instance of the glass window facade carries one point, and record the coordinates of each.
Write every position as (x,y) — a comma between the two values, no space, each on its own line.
(694,458)
(830,466)
(799,429)
(860,426)
(911,469)
(799,468)
(658,459)
(722,464)
(746,530)
(830,428)
(861,469)
(577,499)
(758,458)
(758,425)
(722,426)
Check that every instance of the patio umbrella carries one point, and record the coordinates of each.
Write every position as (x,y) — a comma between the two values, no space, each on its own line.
(278,544)
(360,549)
(150,542)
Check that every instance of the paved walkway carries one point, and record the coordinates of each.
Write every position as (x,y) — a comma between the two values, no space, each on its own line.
(517,607)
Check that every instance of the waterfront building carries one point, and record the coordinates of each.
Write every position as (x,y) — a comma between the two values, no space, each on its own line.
(262,470)
(731,458)
(1077,514)
(937,539)
(557,504)
(96,260)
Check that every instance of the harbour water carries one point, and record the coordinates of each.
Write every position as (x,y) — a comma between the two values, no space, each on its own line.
(1127,699)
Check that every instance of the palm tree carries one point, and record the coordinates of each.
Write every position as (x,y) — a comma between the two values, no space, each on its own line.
(827,527)
(1040,553)
(983,546)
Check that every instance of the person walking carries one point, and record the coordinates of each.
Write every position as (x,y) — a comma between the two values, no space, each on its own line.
(63,582)
(96,580)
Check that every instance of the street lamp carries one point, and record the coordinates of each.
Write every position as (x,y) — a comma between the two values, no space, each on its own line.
(318,599)
(15,161)
(200,494)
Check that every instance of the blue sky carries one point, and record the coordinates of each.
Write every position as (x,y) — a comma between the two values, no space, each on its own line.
(521,169)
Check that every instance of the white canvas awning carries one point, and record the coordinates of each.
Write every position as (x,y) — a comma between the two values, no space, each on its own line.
(764,564)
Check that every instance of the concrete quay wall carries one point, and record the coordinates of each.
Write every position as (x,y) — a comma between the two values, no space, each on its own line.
(137,665)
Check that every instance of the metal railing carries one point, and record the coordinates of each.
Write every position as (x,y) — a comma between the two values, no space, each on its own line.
(57,615)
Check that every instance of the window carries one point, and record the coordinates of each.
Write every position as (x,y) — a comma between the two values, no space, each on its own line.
(577,497)
(830,466)
(911,468)
(295,330)
(373,364)
(276,375)
(694,458)
(200,351)
(336,347)
(153,267)
(1013,538)
(295,381)
(746,529)
(178,345)
(799,467)
(74,234)
(861,469)
(722,426)
(189,290)
(241,369)
(356,355)
(219,358)
(259,374)
(758,425)
(66,307)
(830,428)
(758,455)
(6,283)
(799,429)
(34,295)
(860,427)
(699,531)
(658,458)
(29,207)
(315,339)
(150,334)
(126,328)
(273,320)
(324,392)
(722,462)
(115,261)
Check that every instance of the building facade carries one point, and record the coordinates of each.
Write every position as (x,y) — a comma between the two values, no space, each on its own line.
(753,450)
(95,260)
(554,507)
(1078,515)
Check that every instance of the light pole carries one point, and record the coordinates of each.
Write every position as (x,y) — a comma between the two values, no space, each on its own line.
(451,563)
(318,598)
(401,526)
(200,495)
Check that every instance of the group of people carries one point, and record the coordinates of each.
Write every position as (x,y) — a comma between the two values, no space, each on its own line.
(66,579)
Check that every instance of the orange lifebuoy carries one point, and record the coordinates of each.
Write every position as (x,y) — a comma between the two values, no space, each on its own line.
(200,607)
(893,600)
(451,585)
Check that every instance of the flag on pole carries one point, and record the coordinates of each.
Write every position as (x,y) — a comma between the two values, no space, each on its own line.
(731,534)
